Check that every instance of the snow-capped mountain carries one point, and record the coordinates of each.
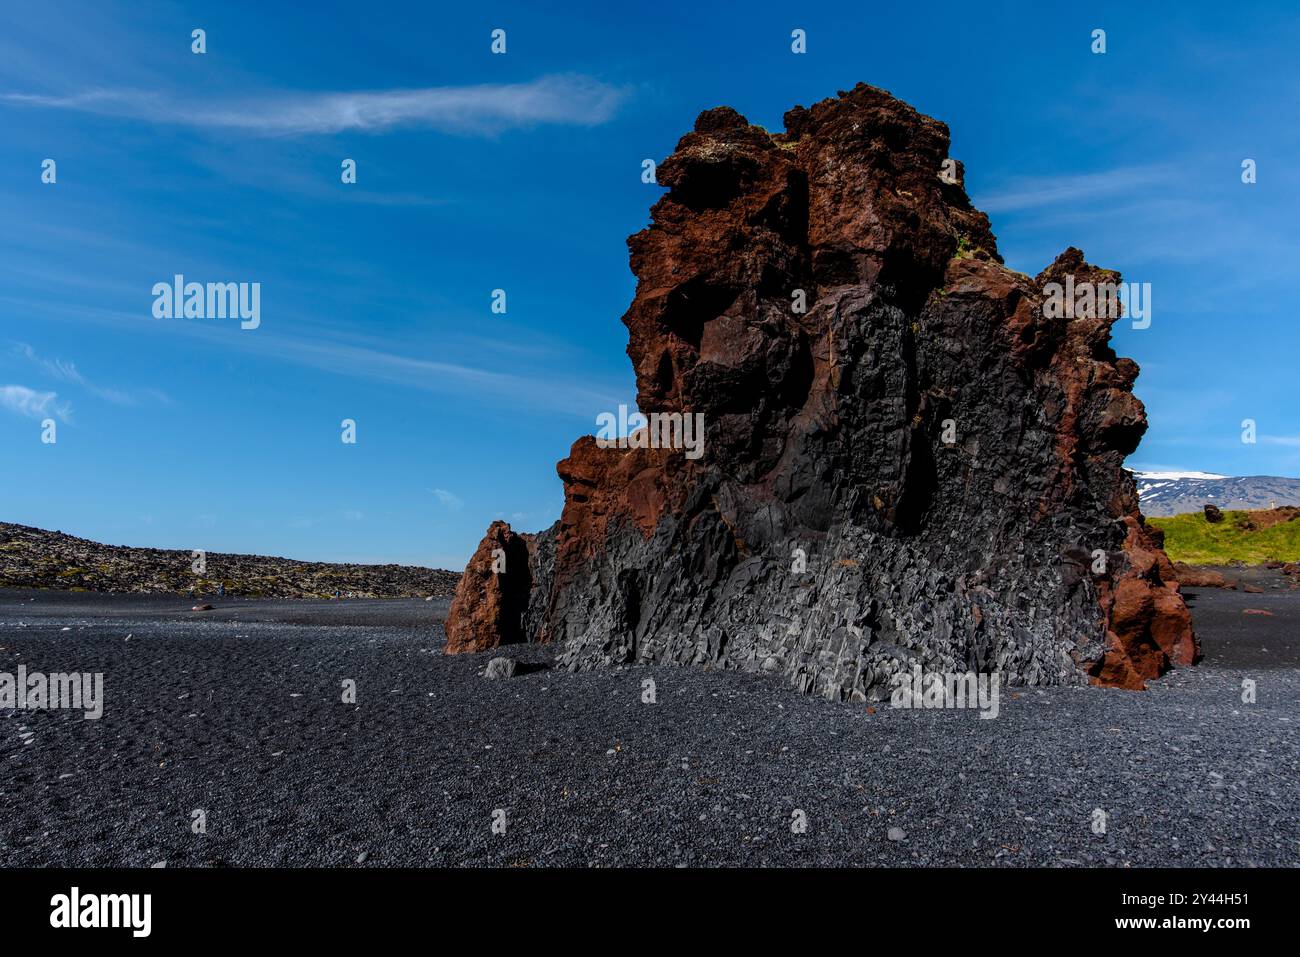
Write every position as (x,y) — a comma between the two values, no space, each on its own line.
(1172,493)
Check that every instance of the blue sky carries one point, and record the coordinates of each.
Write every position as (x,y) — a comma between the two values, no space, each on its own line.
(522,172)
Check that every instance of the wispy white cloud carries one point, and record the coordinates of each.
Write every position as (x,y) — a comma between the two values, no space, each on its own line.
(32,404)
(1038,191)
(68,372)
(530,389)
(481,109)
(447,499)
(1287,440)
(534,390)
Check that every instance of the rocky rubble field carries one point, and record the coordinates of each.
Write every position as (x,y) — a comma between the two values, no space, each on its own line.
(36,558)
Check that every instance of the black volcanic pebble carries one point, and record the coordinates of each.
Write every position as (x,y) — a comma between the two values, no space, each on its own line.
(240,713)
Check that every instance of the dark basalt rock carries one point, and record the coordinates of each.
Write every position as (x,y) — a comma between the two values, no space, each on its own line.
(499,668)
(920,466)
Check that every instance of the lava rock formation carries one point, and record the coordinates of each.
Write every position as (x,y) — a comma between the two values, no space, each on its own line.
(920,465)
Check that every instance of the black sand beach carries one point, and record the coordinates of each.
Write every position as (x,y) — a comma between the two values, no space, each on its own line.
(237,712)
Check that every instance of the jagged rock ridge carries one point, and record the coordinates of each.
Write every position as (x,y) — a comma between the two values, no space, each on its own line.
(921,466)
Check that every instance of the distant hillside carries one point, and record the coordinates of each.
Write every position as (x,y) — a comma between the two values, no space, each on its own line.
(1250,537)
(1173,493)
(35,558)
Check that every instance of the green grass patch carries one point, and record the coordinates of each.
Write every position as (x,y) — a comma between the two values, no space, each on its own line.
(1190,538)
(966,249)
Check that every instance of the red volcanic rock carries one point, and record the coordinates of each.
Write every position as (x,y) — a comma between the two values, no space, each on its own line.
(1201,577)
(492,596)
(1148,625)
(912,453)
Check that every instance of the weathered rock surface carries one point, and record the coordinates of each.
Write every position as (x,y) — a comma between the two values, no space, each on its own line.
(922,465)
(492,596)
(501,667)
(1194,577)
(1212,513)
